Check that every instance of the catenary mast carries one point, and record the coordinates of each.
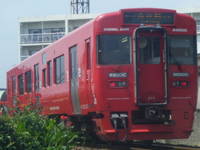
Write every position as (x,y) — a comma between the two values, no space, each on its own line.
(80,6)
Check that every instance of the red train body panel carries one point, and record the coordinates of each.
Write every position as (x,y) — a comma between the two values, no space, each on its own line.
(132,72)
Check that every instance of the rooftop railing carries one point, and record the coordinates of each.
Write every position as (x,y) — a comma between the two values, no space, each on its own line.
(40,38)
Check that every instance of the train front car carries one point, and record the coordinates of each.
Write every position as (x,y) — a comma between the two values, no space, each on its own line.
(145,81)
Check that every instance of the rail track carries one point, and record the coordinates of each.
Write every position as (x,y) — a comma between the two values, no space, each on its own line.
(155,146)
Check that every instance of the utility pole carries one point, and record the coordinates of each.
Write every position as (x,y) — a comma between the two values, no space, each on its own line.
(80,6)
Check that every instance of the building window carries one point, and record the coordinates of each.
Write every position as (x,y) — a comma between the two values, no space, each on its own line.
(59,70)
(49,73)
(34,31)
(31,52)
(21,84)
(36,77)
(28,82)
(53,30)
(44,77)
(198,28)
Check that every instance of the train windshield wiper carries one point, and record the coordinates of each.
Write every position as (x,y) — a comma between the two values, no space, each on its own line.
(177,63)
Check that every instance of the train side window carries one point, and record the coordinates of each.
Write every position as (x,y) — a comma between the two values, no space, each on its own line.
(44,77)
(59,69)
(36,77)
(88,47)
(49,73)
(44,58)
(14,85)
(62,69)
(28,82)
(21,84)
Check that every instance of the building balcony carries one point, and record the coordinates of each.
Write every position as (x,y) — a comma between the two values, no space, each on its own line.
(40,38)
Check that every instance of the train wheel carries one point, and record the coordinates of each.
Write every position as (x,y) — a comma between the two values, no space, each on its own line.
(144,143)
(68,123)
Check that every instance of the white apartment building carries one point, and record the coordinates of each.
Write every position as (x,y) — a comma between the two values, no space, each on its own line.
(195,13)
(36,33)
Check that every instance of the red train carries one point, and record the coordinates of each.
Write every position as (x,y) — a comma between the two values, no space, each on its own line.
(132,73)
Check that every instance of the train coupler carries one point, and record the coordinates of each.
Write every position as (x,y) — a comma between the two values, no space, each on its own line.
(119,120)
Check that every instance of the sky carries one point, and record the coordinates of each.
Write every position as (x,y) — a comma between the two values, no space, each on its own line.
(11,10)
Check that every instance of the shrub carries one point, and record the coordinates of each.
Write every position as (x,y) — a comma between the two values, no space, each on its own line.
(27,130)
(8,135)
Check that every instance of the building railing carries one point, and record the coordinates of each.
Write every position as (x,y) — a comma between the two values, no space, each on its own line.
(23,57)
(40,38)
(198,28)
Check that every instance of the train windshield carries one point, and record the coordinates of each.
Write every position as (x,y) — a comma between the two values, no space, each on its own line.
(182,50)
(114,49)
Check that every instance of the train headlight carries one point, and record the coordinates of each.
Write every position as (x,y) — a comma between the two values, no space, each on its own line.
(118,75)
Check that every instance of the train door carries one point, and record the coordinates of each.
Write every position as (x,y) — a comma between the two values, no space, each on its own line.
(150,66)
(74,80)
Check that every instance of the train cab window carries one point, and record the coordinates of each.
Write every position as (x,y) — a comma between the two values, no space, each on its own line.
(49,73)
(44,77)
(59,70)
(36,77)
(28,82)
(182,50)
(21,84)
(149,50)
(114,49)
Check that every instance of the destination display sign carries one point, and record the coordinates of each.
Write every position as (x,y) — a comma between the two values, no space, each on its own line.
(148,18)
